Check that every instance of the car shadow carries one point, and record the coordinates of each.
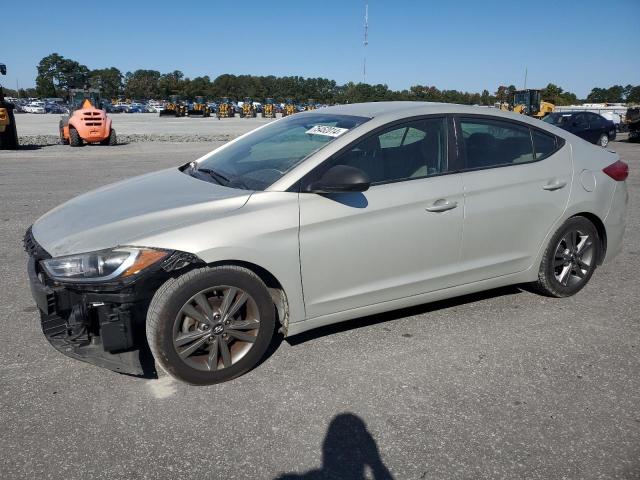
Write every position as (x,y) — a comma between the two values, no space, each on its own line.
(401,313)
(348,451)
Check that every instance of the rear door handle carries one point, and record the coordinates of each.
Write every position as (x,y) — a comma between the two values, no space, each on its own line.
(441,205)
(554,185)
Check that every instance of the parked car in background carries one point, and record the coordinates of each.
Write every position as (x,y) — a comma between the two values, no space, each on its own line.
(51,107)
(590,126)
(318,218)
(137,108)
(155,106)
(35,107)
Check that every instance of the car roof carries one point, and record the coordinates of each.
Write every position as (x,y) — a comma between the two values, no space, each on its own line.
(401,109)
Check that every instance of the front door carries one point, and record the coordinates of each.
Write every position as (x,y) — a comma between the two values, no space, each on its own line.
(402,237)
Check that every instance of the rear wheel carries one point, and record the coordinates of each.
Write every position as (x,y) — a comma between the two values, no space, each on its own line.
(570,259)
(603,141)
(63,140)
(111,139)
(211,324)
(74,138)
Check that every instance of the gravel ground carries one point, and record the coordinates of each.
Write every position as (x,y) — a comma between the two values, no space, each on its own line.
(504,384)
(42,130)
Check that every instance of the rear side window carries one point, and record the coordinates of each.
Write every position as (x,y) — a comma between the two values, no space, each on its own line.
(543,144)
(490,143)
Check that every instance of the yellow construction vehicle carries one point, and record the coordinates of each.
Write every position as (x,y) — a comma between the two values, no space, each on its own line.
(269,109)
(248,110)
(311,105)
(289,107)
(199,108)
(225,109)
(174,108)
(8,131)
(529,102)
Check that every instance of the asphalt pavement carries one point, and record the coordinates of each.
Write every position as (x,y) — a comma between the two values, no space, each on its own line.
(503,384)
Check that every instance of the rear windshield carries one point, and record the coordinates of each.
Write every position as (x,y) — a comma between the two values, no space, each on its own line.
(266,155)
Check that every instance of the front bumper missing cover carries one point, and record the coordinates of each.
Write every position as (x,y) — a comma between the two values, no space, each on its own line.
(101,325)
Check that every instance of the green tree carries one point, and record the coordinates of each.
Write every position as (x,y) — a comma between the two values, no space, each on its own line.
(634,95)
(142,84)
(57,75)
(108,80)
(597,95)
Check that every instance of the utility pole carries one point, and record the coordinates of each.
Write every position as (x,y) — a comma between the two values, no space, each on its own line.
(365,42)
(525,78)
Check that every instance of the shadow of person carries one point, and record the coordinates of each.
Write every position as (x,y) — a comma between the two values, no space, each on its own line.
(347,451)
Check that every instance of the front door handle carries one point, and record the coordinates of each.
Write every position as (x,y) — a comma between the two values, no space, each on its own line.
(441,205)
(557,185)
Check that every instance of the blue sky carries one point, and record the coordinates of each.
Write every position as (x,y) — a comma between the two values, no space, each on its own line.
(464,44)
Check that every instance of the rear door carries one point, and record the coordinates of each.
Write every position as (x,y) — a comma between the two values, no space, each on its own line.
(580,127)
(597,126)
(516,183)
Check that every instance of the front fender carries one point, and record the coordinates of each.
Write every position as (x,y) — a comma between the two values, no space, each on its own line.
(264,232)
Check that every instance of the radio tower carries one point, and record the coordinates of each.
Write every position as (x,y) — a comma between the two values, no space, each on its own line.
(365,42)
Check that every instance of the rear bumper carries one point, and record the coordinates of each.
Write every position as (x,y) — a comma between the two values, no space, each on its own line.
(615,221)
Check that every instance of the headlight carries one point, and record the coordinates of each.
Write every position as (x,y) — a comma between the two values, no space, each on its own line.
(103,265)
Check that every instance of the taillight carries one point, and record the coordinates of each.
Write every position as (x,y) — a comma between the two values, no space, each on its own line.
(619,171)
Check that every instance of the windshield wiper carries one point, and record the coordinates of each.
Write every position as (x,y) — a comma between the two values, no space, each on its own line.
(217,176)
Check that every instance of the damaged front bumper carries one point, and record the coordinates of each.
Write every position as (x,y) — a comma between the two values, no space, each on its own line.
(99,324)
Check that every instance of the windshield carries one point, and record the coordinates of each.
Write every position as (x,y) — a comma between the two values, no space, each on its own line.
(521,99)
(263,157)
(557,118)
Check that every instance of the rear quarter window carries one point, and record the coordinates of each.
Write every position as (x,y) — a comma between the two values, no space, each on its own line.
(543,144)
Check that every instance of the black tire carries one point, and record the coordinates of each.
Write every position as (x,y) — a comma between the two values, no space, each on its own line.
(555,262)
(63,141)
(603,141)
(111,139)
(9,138)
(10,142)
(168,302)
(74,138)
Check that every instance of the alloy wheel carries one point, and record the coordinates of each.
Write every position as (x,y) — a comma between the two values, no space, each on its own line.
(574,258)
(216,327)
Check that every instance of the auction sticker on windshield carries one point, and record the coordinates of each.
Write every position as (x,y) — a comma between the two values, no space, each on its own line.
(326,131)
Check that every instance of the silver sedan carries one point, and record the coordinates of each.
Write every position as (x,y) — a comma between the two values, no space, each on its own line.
(317,218)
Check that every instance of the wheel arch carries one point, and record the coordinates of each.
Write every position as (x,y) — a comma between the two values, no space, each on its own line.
(276,290)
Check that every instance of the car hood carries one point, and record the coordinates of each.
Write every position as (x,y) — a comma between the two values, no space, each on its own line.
(128,211)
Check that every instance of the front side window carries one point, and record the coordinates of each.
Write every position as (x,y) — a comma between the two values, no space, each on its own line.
(490,143)
(404,151)
(263,157)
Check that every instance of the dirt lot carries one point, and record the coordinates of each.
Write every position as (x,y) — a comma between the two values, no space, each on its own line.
(504,384)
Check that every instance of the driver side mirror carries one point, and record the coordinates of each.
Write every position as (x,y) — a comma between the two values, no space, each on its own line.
(3,69)
(340,178)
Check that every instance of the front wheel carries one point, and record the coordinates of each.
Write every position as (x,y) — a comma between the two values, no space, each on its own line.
(210,325)
(603,141)
(570,259)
